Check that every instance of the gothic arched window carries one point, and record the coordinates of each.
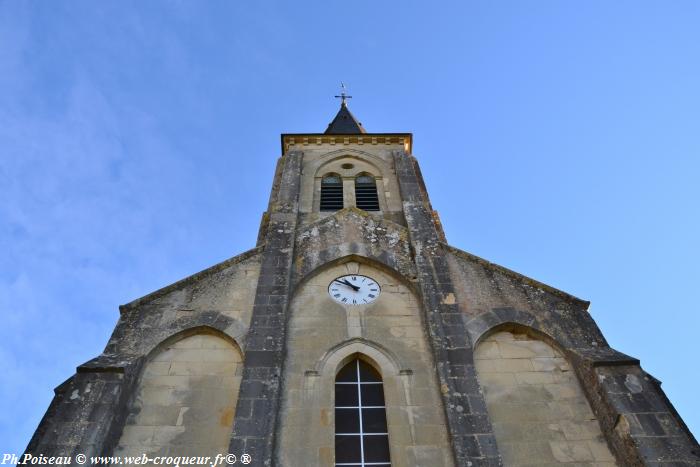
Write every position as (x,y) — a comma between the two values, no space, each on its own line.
(366,193)
(331,193)
(361,436)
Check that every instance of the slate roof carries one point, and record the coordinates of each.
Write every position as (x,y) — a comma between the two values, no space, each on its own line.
(344,123)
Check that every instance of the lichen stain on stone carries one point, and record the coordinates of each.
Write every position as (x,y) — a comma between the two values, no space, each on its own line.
(326,419)
(622,426)
(181,416)
(449,299)
(633,384)
(226,418)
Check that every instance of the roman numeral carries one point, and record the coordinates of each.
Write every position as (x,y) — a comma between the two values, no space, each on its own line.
(336,295)
(371,296)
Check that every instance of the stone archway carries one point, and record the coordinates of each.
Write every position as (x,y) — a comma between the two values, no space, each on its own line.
(186,399)
(540,414)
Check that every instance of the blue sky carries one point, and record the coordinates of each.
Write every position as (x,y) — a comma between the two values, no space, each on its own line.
(138,141)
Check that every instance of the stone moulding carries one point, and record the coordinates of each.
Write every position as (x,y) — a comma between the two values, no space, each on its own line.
(335,357)
(288,140)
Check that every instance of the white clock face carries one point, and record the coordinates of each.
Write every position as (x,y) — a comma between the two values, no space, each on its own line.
(354,289)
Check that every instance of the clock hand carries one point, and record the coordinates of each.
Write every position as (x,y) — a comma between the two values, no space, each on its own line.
(345,282)
(354,287)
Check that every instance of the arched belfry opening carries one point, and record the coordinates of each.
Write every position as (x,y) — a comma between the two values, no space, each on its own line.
(366,197)
(331,193)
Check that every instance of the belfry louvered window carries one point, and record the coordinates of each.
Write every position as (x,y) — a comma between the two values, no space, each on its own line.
(366,193)
(361,437)
(331,193)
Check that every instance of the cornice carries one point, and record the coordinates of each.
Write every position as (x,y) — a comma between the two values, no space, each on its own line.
(317,139)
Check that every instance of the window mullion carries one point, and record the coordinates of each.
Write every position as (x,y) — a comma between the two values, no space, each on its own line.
(359,407)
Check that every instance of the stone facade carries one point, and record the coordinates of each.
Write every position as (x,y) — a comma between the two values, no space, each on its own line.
(390,334)
(186,399)
(252,345)
(539,412)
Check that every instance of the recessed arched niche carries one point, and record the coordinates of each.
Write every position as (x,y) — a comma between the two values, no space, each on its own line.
(540,414)
(326,339)
(349,166)
(186,399)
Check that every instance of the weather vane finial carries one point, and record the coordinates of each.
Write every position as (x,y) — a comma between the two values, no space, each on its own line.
(343,95)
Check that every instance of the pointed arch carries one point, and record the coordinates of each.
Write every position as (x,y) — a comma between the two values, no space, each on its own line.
(184,333)
(375,354)
(332,257)
(528,383)
(351,164)
(361,430)
(214,322)
(520,328)
(488,322)
(323,335)
(186,396)
(374,163)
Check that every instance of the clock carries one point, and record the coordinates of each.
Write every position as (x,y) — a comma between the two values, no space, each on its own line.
(354,289)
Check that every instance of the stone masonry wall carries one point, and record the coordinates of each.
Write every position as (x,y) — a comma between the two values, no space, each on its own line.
(326,158)
(186,400)
(539,413)
(619,392)
(390,333)
(89,411)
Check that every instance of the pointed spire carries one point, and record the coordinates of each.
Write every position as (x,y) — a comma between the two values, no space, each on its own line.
(344,122)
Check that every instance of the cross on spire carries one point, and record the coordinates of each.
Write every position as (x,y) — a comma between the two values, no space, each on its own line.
(343,95)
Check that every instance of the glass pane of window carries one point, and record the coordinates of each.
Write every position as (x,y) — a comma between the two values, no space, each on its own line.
(367,373)
(347,421)
(373,421)
(368,421)
(376,448)
(347,374)
(346,395)
(347,449)
(372,394)
(364,179)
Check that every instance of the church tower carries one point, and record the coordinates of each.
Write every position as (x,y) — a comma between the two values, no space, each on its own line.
(353,334)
